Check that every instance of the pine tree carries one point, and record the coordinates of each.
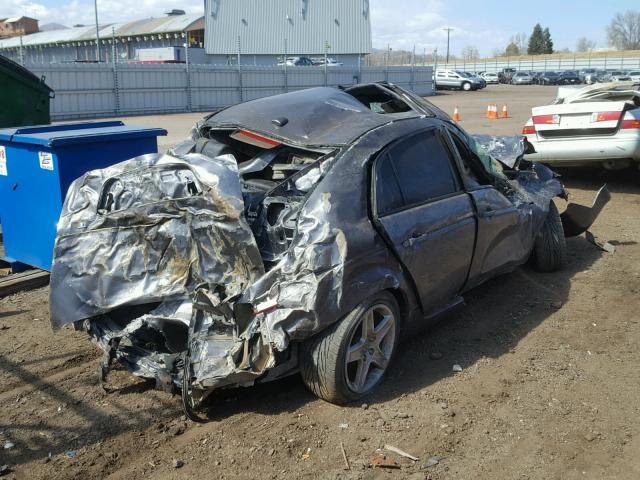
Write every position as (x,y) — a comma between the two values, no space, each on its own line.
(548,43)
(536,41)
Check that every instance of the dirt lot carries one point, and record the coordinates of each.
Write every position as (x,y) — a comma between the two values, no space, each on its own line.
(549,387)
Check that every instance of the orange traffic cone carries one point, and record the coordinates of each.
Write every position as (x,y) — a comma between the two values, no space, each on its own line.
(456,115)
(495,111)
(488,111)
(504,112)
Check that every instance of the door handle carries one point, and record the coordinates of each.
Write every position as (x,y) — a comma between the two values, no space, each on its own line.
(413,236)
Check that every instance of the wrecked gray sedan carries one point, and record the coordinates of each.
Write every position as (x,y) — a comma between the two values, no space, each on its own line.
(301,232)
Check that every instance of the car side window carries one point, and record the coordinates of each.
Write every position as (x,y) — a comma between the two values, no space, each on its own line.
(388,194)
(413,171)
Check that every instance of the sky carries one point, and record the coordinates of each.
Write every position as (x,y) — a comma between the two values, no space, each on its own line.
(401,24)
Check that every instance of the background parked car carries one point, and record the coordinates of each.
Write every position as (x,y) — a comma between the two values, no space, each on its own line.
(297,62)
(618,76)
(597,76)
(452,79)
(521,78)
(481,81)
(548,78)
(490,77)
(505,75)
(584,72)
(331,62)
(569,77)
(634,75)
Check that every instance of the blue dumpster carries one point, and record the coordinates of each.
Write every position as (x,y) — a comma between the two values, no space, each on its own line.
(37,165)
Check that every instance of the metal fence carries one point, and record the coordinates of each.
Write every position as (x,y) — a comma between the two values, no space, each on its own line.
(548,63)
(101,90)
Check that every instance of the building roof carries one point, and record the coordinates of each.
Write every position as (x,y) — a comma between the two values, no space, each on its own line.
(147,26)
(262,26)
(17,19)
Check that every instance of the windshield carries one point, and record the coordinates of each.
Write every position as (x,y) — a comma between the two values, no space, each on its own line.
(463,74)
(522,74)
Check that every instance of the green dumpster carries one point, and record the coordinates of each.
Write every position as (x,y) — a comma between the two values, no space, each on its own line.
(24,98)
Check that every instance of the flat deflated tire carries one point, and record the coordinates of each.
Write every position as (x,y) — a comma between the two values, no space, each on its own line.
(550,249)
(349,359)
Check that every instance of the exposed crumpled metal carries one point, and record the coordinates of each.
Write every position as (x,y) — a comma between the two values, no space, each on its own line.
(149,229)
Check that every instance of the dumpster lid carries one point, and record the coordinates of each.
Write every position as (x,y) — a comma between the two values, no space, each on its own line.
(11,68)
(75,133)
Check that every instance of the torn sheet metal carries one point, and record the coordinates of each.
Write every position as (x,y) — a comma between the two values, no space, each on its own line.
(577,219)
(148,230)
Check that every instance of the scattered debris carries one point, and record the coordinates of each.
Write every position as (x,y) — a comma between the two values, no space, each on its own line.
(381,461)
(364,406)
(307,454)
(402,453)
(457,368)
(435,355)
(4,327)
(344,456)
(605,247)
(9,445)
(177,463)
(589,437)
(71,453)
(434,460)
(556,305)
(343,426)
(4,469)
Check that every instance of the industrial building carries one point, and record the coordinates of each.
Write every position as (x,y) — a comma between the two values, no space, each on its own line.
(125,40)
(258,32)
(262,32)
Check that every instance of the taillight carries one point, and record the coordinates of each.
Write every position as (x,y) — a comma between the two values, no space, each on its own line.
(546,119)
(254,139)
(528,130)
(630,124)
(605,116)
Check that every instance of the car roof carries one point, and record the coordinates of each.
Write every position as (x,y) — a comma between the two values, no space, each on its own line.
(321,116)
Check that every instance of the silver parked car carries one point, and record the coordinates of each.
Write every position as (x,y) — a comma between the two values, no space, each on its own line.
(452,79)
(521,78)
(490,77)
(594,125)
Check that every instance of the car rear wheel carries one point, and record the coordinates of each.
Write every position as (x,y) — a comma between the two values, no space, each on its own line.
(466,86)
(348,360)
(550,249)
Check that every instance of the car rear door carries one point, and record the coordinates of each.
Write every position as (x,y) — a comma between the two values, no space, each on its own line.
(422,211)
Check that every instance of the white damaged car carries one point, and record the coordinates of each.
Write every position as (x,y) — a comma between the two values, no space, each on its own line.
(594,125)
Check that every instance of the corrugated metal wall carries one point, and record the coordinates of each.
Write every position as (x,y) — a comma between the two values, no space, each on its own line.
(262,26)
(98,90)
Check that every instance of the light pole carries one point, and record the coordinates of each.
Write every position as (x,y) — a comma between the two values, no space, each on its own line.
(95,6)
(448,30)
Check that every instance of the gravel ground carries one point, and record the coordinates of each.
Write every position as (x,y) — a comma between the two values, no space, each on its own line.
(548,389)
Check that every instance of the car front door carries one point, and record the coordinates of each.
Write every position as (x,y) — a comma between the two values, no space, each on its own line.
(424,214)
(503,235)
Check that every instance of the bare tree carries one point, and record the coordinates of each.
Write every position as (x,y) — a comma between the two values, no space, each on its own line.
(470,53)
(585,45)
(496,52)
(520,40)
(624,30)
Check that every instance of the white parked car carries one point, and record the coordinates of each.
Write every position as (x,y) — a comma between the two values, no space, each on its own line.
(635,76)
(598,124)
(490,77)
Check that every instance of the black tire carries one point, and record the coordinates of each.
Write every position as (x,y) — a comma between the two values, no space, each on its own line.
(323,362)
(550,249)
(466,86)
